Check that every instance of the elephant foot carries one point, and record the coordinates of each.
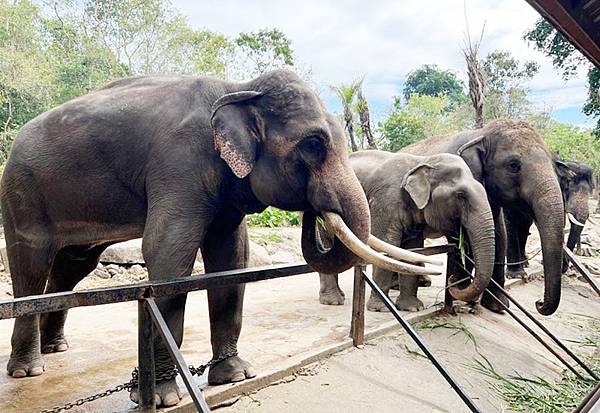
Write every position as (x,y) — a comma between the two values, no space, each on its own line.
(30,365)
(412,304)
(332,297)
(516,273)
(230,370)
(166,394)
(55,345)
(424,281)
(376,305)
(491,304)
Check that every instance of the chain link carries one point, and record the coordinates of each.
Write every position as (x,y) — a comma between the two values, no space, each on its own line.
(131,384)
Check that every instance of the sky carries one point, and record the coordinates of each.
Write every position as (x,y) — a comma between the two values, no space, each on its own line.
(384,40)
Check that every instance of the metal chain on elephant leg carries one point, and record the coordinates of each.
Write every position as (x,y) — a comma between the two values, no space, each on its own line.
(131,384)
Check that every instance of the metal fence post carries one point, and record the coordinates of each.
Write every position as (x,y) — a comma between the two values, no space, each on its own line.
(146,373)
(357,326)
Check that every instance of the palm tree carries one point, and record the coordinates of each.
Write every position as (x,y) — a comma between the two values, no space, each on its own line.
(346,93)
(362,107)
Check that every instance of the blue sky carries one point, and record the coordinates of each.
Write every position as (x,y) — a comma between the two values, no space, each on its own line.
(384,40)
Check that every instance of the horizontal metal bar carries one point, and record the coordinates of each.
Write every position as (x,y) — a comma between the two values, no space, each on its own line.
(62,301)
(163,329)
(435,249)
(413,334)
(582,270)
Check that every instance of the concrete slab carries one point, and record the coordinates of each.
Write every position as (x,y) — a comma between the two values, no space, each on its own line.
(284,325)
(391,374)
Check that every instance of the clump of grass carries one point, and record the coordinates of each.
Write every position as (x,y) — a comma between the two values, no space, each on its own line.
(433,323)
(524,394)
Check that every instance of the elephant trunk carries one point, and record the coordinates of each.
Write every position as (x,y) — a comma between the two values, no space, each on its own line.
(547,205)
(480,230)
(578,212)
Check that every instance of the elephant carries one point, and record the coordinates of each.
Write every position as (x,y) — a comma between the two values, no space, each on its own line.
(416,197)
(179,161)
(577,184)
(516,168)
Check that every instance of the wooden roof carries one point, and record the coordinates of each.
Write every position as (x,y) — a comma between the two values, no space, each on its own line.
(577,20)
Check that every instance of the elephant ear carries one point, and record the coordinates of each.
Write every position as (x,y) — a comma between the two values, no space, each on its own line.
(564,173)
(474,154)
(237,127)
(416,183)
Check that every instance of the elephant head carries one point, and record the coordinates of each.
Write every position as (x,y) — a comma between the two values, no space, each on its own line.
(444,190)
(517,170)
(577,184)
(275,134)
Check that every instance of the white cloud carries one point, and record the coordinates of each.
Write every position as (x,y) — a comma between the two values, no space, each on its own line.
(386,39)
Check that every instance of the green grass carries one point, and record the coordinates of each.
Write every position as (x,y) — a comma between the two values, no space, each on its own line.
(435,323)
(273,217)
(536,394)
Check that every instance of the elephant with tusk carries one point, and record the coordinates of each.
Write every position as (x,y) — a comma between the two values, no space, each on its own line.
(180,161)
(577,184)
(412,198)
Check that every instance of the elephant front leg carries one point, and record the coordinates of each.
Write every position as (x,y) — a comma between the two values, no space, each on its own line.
(384,279)
(330,292)
(487,300)
(169,246)
(226,250)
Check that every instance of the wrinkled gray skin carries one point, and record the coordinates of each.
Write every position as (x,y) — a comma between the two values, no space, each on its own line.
(416,197)
(142,157)
(576,181)
(516,168)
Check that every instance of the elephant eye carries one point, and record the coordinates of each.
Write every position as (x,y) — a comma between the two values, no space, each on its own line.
(514,165)
(461,195)
(312,149)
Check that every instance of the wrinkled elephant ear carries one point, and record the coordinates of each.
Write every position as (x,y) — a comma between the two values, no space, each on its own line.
(474,154)
(237,130)
(564,173)
(416,183)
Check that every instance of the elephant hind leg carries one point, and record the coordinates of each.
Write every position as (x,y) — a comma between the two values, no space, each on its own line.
(29,270)
(71,265)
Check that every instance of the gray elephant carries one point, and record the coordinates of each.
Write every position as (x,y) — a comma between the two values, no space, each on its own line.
(516,168)
(416,197)
(179,161)
(576,181)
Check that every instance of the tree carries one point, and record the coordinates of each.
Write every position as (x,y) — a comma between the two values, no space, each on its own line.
(506,94)
(362,108)
(346,94)
(477,79)
(421,117)
(263,51)
(432,81)
(568,60)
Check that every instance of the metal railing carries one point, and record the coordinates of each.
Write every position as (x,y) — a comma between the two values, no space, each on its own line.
(150,320)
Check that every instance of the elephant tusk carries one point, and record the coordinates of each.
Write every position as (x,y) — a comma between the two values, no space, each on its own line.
(574,220)
(341,230)
(401,254)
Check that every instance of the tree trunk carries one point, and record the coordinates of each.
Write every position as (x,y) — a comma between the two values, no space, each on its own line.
(350,128)
(365,120)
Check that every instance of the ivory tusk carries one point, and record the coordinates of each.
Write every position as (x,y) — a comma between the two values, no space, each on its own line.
(335,222)
(574,220)
(400,253)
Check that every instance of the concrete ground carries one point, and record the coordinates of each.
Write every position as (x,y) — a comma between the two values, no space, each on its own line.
(284,326)
(391,374)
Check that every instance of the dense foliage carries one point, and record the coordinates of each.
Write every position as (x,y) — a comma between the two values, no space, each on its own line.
(571,143)
(273,217)
(53,52)
(430,80)
(545,38)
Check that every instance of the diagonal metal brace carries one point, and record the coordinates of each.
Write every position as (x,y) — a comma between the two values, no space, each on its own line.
(163,329)
(413,334)
(582,270)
